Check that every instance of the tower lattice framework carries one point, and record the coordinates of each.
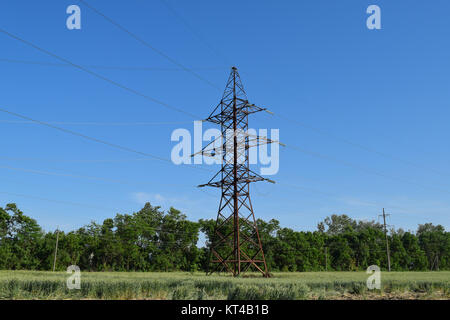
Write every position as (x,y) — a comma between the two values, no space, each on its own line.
(236,245)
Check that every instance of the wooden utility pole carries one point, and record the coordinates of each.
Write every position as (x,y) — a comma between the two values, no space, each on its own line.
(326,260)
(435,263)
(56,249)
(387,241)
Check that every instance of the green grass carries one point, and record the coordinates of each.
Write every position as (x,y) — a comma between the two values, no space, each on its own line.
(286,286)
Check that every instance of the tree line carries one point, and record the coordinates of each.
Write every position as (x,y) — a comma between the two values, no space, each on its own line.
(156,240)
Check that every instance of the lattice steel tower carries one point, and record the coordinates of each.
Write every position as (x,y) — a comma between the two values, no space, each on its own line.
(236,244)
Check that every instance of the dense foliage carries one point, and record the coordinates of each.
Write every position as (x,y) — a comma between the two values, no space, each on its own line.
(154,240)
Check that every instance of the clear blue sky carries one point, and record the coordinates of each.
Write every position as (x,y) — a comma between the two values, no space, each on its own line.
(314,61)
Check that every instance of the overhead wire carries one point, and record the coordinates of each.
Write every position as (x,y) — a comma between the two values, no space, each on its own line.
(276,114)
(336,197)
(154,100)
(113,145)
(99,124)
(77,176)
(201,39)
(131,68)
(361,168)
(194,32)
(73,160)
(357,145)
(99,76)
(148,45)
(96,140)
(56,201)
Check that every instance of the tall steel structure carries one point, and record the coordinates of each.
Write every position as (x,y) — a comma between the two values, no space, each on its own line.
(236,244)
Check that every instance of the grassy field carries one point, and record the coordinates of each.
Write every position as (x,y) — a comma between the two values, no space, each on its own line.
(286,286)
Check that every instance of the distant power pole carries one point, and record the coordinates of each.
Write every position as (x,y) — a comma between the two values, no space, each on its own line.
(56,249)
(435,262)
(326,259)
(387,241)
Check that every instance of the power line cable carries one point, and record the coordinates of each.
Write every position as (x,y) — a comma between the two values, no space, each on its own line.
(73,160)
(133,91)
(194,32)
(71,175)
(206,192)
(92,139)
(337,197)
(100,124)
(358,145)
(135,68)
(128,89)
(99,76)
(351,165)
(78,204)
(148,45)
(186,69)
(56,201)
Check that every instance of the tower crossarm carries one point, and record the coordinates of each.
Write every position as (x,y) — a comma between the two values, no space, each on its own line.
(215,151)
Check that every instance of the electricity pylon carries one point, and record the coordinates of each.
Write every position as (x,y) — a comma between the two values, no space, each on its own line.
(236,244)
